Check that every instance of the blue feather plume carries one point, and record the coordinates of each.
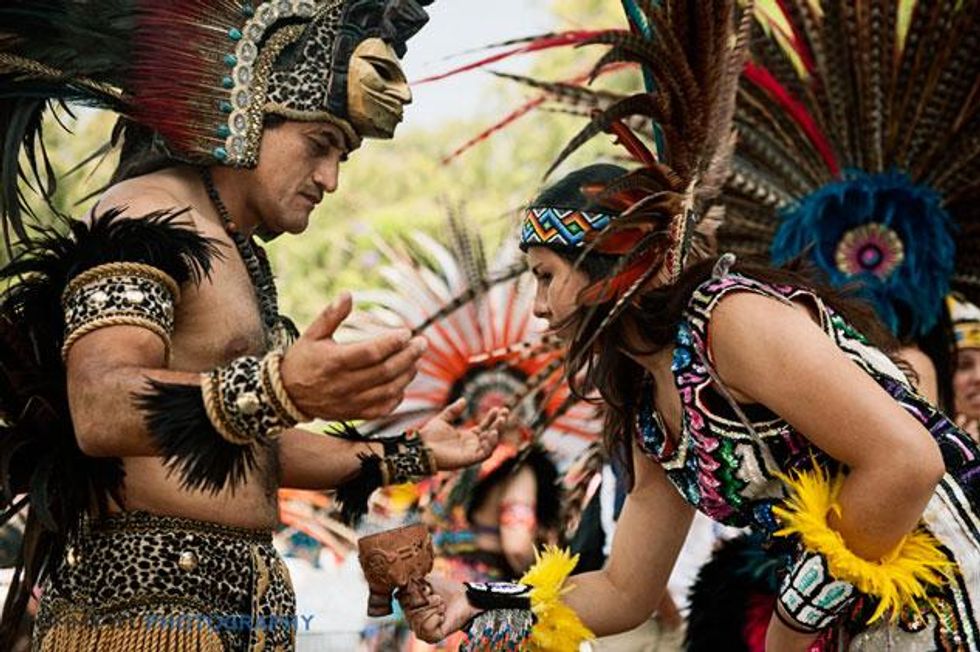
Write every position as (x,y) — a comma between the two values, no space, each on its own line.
(908,299)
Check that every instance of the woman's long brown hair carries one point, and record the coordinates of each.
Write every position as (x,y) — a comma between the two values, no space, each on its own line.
(605,366)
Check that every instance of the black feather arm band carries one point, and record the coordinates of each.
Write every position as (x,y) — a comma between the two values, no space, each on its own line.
(406,459)
(190,444)
(208,432)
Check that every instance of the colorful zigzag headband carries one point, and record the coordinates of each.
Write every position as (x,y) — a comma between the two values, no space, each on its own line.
(561,227)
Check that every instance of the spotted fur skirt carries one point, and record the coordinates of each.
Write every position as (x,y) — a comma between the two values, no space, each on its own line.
(137,581)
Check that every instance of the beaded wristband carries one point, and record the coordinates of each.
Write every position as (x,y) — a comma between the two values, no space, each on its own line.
(811,599)
(506,621)
(119,294)
(498,595)
(529,615)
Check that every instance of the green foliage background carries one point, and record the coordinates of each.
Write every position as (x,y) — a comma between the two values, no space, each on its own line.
(390,188)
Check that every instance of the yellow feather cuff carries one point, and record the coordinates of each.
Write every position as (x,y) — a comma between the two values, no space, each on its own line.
(900,579)
(557,627)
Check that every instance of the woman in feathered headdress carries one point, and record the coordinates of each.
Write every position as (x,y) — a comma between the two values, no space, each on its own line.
(966,377)
(755,395)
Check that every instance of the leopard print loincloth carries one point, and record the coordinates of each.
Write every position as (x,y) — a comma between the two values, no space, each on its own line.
(140,581)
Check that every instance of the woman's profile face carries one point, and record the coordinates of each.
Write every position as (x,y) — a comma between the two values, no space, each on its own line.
(966,383)
(559,285)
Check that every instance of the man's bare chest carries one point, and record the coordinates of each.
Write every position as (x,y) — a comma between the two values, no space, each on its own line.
(218,320)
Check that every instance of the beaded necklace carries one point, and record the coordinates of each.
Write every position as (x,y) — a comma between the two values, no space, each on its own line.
(256,262)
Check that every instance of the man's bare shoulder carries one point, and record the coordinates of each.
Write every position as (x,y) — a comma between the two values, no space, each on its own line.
(169,189)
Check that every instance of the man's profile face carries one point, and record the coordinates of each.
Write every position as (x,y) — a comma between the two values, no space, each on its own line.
(298,163)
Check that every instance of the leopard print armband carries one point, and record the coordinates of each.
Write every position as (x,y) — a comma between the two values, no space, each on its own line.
(119,294)
(246,401)
(407,459)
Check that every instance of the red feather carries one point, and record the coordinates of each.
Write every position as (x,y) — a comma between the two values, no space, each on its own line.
(520,112)
(765,80)
(165,77)
(632,144)
(621,242)
(509,119)
(543,43)
(614,287)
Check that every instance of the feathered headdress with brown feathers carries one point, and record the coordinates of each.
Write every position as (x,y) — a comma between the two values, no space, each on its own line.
(859,145)
(678,129)
(201,74)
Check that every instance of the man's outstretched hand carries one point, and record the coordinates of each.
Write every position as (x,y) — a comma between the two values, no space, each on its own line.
(454,448)
(347,381)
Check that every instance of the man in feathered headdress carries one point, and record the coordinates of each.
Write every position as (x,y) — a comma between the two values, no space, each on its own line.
(150,387)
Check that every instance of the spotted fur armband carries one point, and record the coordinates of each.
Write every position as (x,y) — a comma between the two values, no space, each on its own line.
(119,294)
(210,432)
(246,400)
(407,459)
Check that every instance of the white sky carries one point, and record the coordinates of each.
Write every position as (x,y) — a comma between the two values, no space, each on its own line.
(457,26)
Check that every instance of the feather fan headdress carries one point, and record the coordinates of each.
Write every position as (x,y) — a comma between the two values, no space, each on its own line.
(678,129)
(485,345)
(859,143)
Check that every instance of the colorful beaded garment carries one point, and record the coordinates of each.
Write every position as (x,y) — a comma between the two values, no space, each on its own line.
(728,455)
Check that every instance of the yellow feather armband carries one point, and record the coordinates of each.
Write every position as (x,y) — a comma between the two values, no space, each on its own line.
(529,615)
(901,579)
(557,628)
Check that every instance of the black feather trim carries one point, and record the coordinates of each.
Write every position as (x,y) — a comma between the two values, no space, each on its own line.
(353,495)
(39,454)
(191,447)
(345,430)
(739,570)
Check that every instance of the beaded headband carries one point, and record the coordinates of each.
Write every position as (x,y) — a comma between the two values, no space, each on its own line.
(561,227)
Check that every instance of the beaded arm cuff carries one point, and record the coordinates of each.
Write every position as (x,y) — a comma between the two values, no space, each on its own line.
(507,619)
(810,596)
(119,294)
(529,615)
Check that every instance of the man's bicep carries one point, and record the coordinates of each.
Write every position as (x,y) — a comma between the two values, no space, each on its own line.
(115,347)
(105,369)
